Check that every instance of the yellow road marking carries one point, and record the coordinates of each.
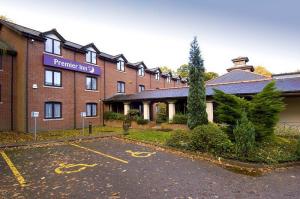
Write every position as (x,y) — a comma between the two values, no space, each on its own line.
(138,154)
(98,152)
(15,171)
(62,166)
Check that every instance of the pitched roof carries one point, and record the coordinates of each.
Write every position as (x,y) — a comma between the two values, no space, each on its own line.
(289,85)
(236,76)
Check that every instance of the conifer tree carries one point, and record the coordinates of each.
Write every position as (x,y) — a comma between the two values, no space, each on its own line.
(265,109)
(196,102)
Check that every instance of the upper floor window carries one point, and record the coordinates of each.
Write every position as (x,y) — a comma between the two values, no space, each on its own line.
(52,78)
(121,65)
(91,109)
(157,75)
(1,60)
(178,81)
(120,87)
(91,57)
(141,71)
(53,110)
(141,88)
(91,83)
(52,46)
(169,79)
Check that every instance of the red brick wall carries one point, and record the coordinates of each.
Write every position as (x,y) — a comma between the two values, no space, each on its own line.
(6,88)
(73,94)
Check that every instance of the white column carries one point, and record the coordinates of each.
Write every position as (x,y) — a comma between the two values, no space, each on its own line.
(210,111)
(171,107)
(146,110)
(126,107)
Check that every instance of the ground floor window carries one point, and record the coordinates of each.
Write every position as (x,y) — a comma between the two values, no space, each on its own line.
(53,110)
(91,109)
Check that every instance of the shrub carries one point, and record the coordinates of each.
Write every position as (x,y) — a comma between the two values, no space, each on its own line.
(179,139)
(229,110)
(298,149)
(244,134)
(141,121)
(113,116)
(161,115)
(210,138)
(179,119)
(133,114)
(264,111)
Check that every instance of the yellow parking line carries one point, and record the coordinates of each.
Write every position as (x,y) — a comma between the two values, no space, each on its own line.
(97,152)
(15,171)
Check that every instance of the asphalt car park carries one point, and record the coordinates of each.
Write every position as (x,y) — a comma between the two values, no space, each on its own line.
(110,168)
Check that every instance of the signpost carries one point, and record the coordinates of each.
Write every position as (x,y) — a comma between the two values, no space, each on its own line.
(35,115)
(83,115)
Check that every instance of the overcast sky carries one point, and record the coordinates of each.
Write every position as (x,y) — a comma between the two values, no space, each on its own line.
(159,32)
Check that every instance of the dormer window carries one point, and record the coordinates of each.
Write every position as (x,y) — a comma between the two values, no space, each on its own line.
(141,71)
(52,46)
(121,65)
(178,81)
(91,57)
(157,75)
(169,79)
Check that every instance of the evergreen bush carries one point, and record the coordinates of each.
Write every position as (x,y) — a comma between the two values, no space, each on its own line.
(179,139)
(244,134)
(179,119)
(113,116)
(264,110)
(210,138)
(141,121)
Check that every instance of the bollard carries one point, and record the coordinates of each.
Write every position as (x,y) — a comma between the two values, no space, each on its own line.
(90,127)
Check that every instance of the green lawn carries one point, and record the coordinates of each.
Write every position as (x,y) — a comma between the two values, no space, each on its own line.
(155,136)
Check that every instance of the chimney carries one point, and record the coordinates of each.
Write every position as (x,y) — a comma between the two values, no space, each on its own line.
(241,64)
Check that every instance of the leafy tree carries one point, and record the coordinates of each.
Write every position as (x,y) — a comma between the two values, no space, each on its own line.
(229,110)
(244,134)
(165,69)
(262,71)
(196,101)
(210,75)
(3,17)
(264,110)
(183,70)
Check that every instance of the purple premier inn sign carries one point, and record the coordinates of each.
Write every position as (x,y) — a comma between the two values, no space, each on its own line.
(58,62)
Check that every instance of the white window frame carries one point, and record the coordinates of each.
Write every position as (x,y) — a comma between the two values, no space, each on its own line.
(141,71)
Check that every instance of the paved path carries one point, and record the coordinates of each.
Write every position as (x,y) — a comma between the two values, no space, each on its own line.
(110,168)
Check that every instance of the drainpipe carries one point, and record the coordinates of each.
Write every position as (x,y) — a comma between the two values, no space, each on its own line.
(104,85)
(26,89)
(11,94)
(74,93)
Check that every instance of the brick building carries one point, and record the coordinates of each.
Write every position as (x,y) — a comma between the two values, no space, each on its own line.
(43,72)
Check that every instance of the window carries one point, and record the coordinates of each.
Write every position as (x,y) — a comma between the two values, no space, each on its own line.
(141,88)
(178,81)
(1,62)
(141,71)
(91,109)
(121,87)
(52,46)
(91,83)
(169,79)
(157,75)
(91,57)
(121,65)
(52,110)
(52,78)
